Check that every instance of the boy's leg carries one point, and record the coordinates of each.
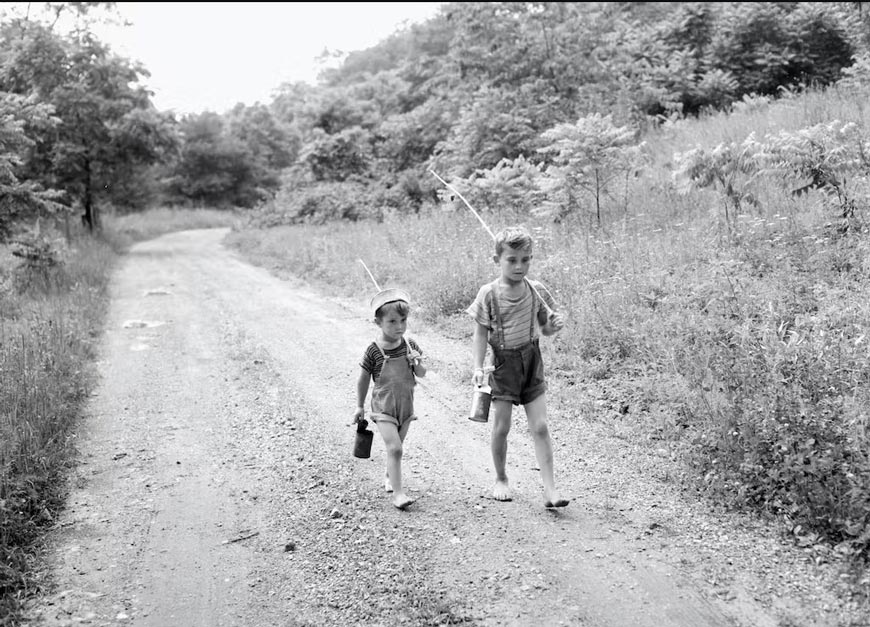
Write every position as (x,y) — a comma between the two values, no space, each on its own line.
(403,431)
(393,443)
(501,426)
(536,413)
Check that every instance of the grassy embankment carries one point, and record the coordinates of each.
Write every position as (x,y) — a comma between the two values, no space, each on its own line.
(50,321)
(741,348)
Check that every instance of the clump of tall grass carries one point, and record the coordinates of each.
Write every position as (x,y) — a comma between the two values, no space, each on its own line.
(46,348)
(769,340)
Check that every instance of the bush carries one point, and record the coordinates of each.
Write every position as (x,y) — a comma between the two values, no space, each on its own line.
(781,374)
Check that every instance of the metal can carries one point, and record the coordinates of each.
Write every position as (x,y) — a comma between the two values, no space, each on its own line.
(480,403)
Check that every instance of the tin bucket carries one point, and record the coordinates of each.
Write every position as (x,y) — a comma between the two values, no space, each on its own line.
(362,443)
(480,404)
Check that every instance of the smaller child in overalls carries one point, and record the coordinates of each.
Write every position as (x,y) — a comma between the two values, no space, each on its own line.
(391,362)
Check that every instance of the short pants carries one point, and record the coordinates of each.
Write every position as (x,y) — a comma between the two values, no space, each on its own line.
(391,419)
(518,376)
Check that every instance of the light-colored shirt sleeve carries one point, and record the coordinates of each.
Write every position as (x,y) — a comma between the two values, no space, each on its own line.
(479,310)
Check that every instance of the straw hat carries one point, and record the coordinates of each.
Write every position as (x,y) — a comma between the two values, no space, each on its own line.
(388,296)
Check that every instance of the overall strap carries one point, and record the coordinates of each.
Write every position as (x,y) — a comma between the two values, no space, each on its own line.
(383,352)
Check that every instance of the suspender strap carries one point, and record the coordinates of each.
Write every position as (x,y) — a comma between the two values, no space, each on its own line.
(499,326)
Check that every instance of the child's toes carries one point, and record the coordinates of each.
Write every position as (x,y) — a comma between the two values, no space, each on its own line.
(403,501)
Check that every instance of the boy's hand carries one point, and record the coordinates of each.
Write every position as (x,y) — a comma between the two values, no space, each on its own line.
(358,416)
(478,378)
(414,358)
(556,322)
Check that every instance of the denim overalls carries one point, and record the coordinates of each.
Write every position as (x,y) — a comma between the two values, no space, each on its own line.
(393,393)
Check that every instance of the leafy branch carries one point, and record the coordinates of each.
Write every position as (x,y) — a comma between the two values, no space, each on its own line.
(588,155)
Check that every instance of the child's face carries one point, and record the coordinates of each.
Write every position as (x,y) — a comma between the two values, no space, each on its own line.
(393,325)
(514,263)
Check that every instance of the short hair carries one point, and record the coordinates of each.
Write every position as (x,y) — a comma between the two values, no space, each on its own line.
(512,237)
(399,306)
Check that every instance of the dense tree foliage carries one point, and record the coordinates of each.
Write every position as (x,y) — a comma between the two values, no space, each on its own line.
(104,132)
(474,93)
(230,160)
(482,86)
(20,198)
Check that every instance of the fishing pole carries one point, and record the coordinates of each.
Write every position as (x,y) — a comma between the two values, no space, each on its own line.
(467,204)
(550,312)
(377,287)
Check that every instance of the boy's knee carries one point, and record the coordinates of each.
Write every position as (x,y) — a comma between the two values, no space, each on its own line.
(501,425)
(394,449)
(541,433)
(539,429)
(500,432)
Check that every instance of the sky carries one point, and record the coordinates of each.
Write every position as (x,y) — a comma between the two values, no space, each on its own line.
(211,56)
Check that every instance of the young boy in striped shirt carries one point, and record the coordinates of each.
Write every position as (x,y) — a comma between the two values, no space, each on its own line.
(391,362)
(509,313)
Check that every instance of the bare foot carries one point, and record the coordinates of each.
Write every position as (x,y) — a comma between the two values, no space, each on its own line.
(388,486)
(402,501)
(501,491)
(554,500)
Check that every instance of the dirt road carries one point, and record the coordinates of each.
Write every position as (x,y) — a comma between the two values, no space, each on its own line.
(216,485)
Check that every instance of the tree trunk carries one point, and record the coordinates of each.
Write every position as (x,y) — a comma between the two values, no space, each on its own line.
(597,198)
(90,218)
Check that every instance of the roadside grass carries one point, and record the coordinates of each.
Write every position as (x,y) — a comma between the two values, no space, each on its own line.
(47,336)
(51,317)
(741,345)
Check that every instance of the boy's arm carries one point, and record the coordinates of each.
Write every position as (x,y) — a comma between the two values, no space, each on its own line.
(478,352)
(549,318)
(415,358)
(420,368)
(362,390)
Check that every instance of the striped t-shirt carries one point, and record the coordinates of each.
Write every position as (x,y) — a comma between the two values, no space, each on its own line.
(373,360)
(516,313)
